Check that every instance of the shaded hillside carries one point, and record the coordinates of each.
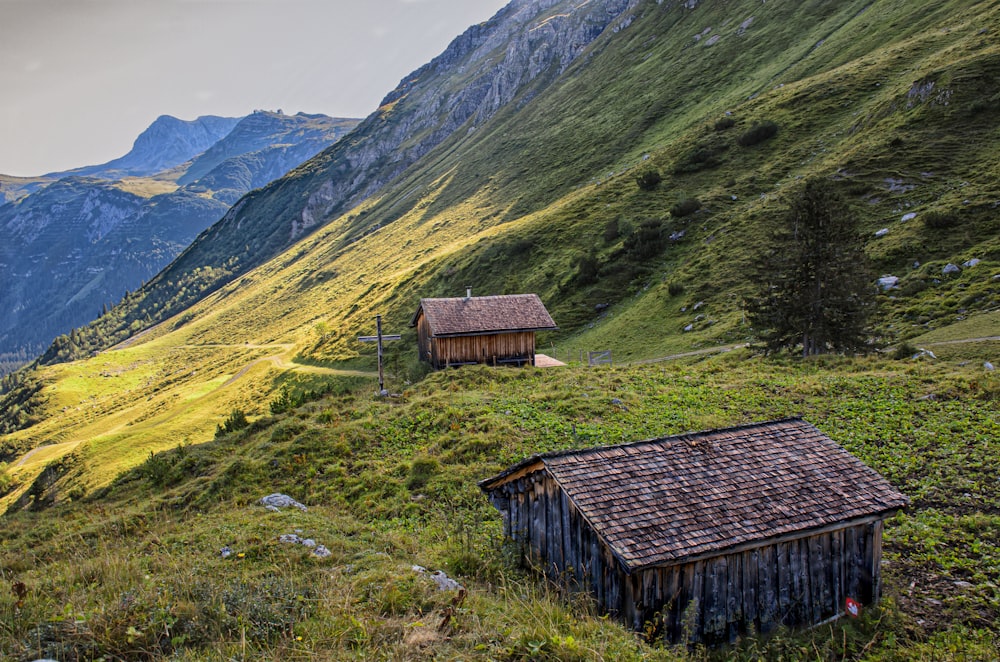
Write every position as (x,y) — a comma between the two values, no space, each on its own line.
(75,246)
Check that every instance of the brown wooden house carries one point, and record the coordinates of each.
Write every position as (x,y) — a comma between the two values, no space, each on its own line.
(492,329)
(706,536)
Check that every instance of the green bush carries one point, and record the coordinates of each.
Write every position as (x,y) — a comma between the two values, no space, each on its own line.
(648,177)
(758,133)
(724,123)
(237,420)
(685,207)
(939,220)
(587,269)
(646,241)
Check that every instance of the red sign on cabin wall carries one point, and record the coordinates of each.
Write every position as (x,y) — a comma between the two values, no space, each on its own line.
(853,608)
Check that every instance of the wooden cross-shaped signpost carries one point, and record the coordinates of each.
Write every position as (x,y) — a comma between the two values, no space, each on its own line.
(379,338)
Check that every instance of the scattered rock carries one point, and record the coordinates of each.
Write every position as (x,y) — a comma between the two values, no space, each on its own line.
(950,269)
(676,236)
(883,232)
(989,366)
(908,217)
(713,40)
(321,552)
(897,185)
(225,552)
(971,263)
(444,582)
(275,502)
(698,305)
(961,584)
(601,307)
(888,282)
(689,327)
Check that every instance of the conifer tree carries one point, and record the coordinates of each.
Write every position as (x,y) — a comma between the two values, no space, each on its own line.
(815,289)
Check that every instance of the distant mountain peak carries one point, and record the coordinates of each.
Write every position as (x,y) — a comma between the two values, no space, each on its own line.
(166,143)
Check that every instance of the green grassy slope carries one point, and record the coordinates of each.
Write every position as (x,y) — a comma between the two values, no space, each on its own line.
(137,570)
(519,203)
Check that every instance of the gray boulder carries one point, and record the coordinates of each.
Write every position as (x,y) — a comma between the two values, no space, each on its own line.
(275,502)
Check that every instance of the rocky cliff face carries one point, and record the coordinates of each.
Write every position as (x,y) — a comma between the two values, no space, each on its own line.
(480,72)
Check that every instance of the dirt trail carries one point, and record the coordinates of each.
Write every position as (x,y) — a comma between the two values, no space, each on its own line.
(279,361)
(729,348)
(64,447)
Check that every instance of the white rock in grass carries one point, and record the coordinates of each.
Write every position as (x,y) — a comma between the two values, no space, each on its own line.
(444,582)
(888,282)
(274,502)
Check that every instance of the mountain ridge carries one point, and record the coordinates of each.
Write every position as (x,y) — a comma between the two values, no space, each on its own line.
(164,144)
(77,244)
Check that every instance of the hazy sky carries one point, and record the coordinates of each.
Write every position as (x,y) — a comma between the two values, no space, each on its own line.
(80,79)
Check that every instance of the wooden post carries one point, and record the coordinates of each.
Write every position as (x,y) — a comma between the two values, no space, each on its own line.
(379,338)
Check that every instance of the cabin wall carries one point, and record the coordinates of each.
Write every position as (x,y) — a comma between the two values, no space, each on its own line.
(552,536)
(424,341)
(796,582)
(489,349)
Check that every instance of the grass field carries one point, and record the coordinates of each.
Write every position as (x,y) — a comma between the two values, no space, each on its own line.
(135,570)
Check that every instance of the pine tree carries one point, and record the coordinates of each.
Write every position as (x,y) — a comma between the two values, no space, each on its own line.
(815,286)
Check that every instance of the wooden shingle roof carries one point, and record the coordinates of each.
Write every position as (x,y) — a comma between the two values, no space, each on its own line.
(481,315)
(661,501)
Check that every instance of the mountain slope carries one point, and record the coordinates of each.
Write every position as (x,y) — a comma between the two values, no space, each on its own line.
(74,246)
(656,83)
(547,186)
(526,45)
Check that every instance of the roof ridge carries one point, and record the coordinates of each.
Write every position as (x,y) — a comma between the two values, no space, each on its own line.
(683,436)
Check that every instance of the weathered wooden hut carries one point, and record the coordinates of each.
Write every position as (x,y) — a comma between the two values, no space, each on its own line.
(706,536)
(492,329)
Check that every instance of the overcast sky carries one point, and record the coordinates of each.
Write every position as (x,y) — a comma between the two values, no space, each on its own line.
(80,79)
